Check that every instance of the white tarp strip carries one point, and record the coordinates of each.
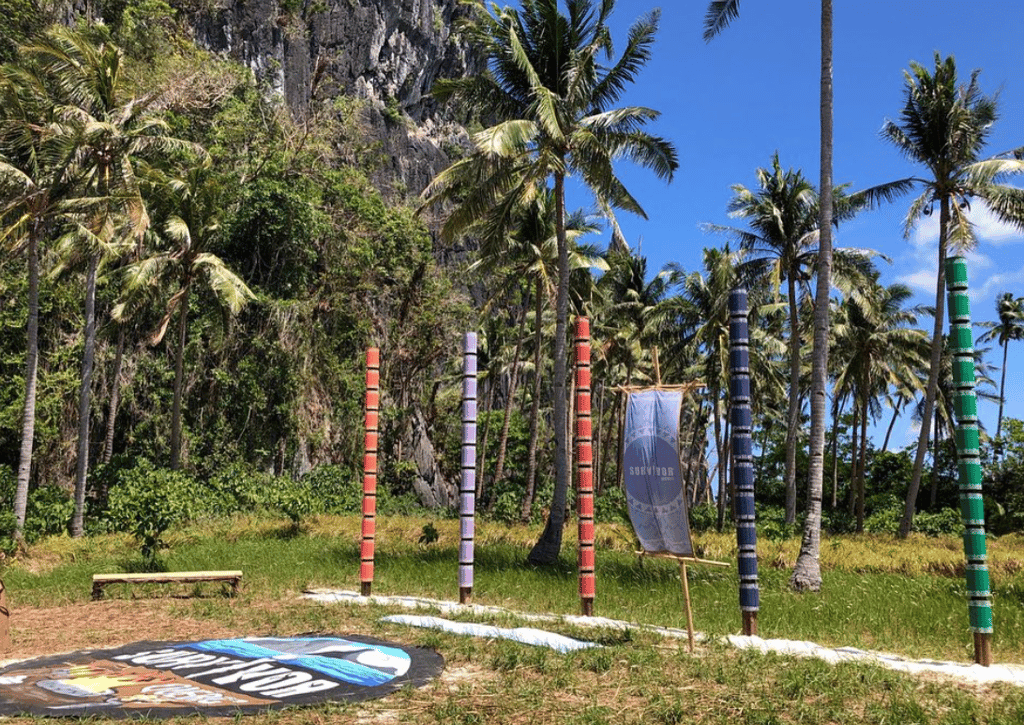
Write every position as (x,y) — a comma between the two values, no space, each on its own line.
(525,635)
(1010,673)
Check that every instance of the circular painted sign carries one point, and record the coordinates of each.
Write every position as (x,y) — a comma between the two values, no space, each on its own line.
(219,677)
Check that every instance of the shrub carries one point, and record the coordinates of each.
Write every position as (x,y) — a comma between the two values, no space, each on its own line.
(944,522)
(337,489)
(146,501)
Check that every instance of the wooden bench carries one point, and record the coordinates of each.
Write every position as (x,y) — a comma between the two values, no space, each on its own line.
(165,577)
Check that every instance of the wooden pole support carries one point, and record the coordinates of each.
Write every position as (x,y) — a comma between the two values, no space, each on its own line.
(5,621)
(689,608)
(465,595)
(750,624)
(983,648)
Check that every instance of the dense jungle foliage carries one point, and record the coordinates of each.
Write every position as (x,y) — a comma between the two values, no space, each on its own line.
(270,263)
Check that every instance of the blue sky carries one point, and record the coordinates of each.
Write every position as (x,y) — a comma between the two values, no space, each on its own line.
(728,105)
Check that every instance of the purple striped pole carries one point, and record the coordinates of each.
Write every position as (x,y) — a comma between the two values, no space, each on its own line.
(370,471)
(584,463)
(467,502)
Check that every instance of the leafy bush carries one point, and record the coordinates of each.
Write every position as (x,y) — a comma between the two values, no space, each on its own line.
(48,511)
(338,489)
(236,489)
(703,517)
(611,506)
(944,522)
(146,502)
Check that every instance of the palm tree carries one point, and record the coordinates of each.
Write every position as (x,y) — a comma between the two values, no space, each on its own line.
(1010,327)
(192,229)
(35,183)
(553,100)
(944,127)
(783,241)
(880,350)
(700,316)
(807,572)
(109,132)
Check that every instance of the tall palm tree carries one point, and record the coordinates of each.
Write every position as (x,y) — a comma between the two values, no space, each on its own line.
(110,131)
(553,100)
(807,572)
(197,200)
(1010,327)
(699,314)
(880,350)
(944,126)
(783,246)
(35,183)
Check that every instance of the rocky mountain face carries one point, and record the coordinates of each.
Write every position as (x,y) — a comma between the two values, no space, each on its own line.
(387,52)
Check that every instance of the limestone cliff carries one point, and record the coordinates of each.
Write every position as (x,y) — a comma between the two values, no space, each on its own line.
(388,52)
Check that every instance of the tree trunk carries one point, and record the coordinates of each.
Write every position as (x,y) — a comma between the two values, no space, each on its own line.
(547,548)
(793,417)
(1002,398)
(531,467)
(851,498)
(933,377)
(598,443)
(482,457)
(85,397)
(28,417)
(720,449)
(861,465)
(807,572)
(499,466)
(179,376)
(115,398)
(892,424)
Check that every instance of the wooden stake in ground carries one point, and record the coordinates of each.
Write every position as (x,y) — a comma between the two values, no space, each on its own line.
(968,446)
(743,458)
(5,621)
(689,607)
(467,491)
(585,462)
(370,471)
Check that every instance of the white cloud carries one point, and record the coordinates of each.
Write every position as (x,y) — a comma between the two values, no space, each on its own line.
(987,228)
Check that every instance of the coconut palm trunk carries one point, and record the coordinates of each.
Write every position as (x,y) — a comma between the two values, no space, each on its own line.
(28,417)
(807,572)
(179,379)
(115,398)
(909,508)
(526,512)
(85,395)
(793,417)
(545,551)
(499,466)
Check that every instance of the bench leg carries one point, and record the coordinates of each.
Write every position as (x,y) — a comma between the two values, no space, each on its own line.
(235,583)
(97,591)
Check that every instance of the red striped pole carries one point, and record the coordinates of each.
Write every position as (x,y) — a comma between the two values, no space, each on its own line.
(584,462)
(370,470)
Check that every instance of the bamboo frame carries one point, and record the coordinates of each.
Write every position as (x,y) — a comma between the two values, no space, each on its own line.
(683,576)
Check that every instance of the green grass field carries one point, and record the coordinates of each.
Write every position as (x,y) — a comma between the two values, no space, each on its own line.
(901,597)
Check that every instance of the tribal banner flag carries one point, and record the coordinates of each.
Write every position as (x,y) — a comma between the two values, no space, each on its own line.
(654,485)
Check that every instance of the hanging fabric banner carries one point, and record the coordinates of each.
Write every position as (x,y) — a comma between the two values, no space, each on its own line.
(652,473)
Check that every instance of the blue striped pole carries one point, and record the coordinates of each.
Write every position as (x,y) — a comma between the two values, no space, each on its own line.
(742,458)
(968,449)
(467,503)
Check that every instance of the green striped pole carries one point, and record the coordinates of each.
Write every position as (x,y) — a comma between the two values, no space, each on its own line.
(968,447)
